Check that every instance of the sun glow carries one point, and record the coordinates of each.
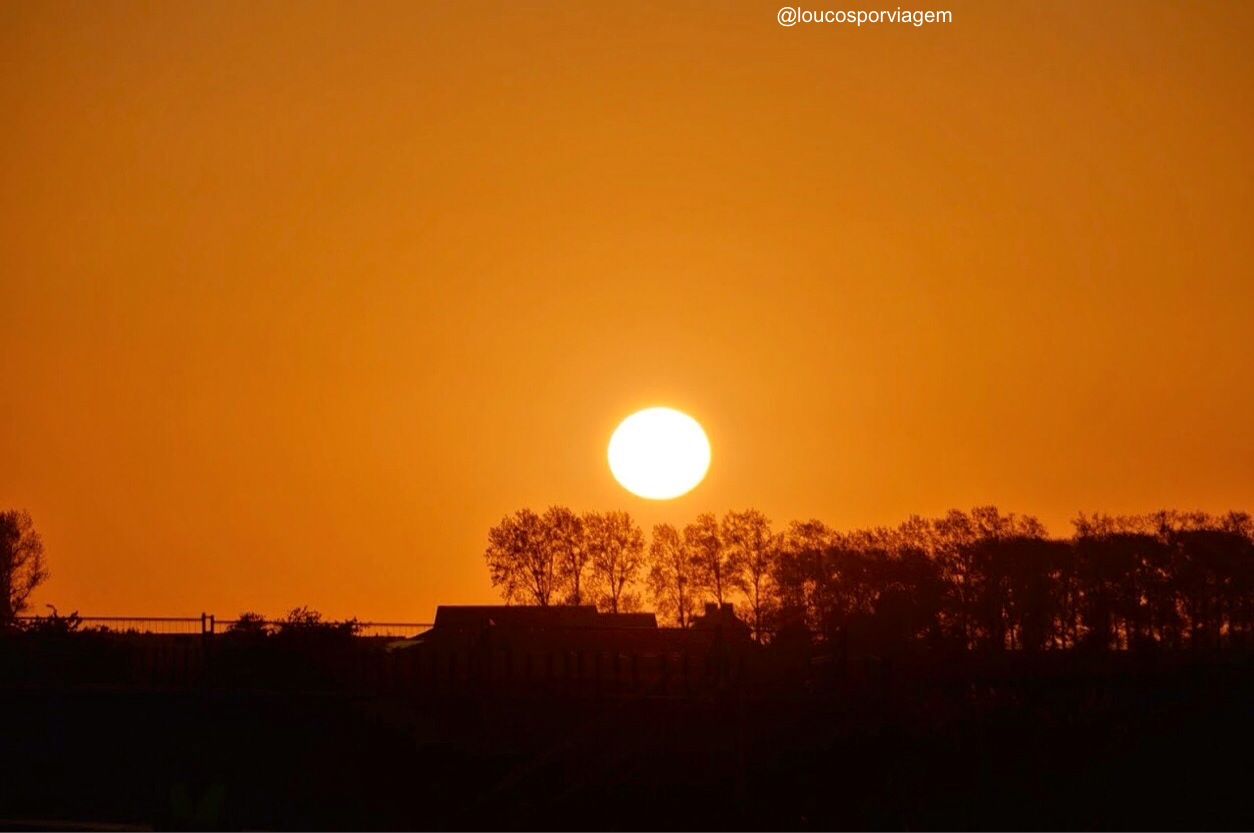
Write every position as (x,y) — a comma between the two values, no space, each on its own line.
(659,453)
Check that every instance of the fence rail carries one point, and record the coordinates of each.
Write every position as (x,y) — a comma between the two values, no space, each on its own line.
(208,624)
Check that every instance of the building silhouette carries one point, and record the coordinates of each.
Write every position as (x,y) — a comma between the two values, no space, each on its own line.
(575,649)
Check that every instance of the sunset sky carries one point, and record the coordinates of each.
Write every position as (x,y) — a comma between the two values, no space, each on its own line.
(299,298)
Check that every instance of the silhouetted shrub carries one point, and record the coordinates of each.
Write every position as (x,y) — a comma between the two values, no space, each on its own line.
(301,621)
(250,624)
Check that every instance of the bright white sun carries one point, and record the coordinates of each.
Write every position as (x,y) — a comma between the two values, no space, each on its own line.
(659,453)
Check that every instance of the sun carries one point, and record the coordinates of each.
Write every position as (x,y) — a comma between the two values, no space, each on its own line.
(659,453)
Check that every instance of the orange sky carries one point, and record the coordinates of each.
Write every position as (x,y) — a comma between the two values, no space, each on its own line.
(298,299)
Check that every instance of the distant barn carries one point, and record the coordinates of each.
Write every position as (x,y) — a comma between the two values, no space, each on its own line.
(575,650)
(464,617)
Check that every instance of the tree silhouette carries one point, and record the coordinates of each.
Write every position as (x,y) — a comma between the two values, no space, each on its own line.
(1240,529)
(1206,557)
(751,548)
(1016,589)
(974,615)
(616,546)
(670,579)
(519,562)
(714,568)
(802,574)
(565,536)
(22,566)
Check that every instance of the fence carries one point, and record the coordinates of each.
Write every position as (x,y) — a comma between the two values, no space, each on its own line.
(208,624)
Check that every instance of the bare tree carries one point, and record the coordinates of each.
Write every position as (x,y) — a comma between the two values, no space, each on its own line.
(22,566)
(566,538)
(521,566)
(670,577)
(752,549)
(714,568)
(617,550)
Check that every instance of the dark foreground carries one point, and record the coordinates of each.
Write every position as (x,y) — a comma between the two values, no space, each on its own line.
(978,743)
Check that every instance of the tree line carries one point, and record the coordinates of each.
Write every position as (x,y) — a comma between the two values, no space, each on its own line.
(979,579)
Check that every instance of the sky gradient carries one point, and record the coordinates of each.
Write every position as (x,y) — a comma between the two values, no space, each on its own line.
(299,298)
